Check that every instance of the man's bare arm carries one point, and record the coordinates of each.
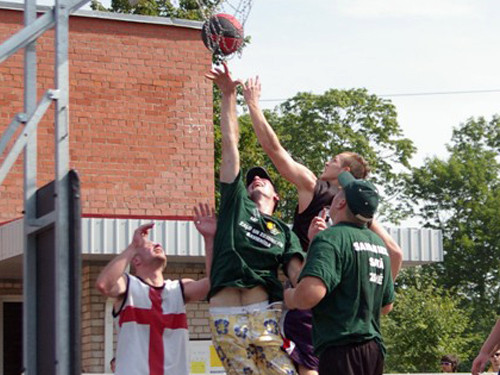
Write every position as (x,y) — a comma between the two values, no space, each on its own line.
(195,290)
(296,173)
(230,163)
(309,292)
(206,223)
(111,281)
(293,269)
(395,252)
(489,346)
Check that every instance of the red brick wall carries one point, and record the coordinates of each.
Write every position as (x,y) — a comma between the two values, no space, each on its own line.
(141,133)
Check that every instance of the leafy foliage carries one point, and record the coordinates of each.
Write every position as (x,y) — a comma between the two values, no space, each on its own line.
(183,9)
(461,196)
(426,323)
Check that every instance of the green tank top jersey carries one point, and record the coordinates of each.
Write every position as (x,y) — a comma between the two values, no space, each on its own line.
(249,247)
(354,265)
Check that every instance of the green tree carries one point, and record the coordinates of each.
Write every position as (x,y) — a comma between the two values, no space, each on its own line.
(461,196)
(425,324)
(183,9)
(313,128)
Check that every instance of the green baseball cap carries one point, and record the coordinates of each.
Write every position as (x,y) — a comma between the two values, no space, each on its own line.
(258,171)
(362,196)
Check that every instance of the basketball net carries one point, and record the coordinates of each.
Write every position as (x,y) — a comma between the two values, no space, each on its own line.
(239,9)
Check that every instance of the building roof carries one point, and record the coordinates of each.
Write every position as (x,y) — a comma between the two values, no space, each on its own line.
(114,16)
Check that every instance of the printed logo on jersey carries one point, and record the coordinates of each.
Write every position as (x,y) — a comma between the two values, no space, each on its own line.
(375,261)
(260,237)
(272,228)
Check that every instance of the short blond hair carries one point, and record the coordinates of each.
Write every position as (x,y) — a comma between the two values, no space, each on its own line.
(358,166)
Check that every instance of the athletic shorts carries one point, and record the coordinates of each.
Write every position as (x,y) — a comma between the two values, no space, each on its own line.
(297,327)
(353,359)
(248,340)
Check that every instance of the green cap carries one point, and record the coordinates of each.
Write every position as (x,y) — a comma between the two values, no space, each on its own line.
(258,171)
(361,196)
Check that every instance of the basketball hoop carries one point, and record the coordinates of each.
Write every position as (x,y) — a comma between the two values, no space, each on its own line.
(213,28)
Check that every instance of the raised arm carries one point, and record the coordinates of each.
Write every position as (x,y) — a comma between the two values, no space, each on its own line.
(294,172)
(489,346)
(318,224)
(111,281)
(395,252)
(230,163)
(206,223)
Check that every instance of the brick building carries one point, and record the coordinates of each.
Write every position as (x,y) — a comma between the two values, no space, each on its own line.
(141,138)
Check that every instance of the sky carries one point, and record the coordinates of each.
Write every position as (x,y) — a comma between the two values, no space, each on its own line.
(389,47)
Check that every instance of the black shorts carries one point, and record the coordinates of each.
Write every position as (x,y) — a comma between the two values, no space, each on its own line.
(354,359)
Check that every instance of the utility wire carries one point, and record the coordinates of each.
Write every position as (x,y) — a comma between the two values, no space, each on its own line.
(415,94)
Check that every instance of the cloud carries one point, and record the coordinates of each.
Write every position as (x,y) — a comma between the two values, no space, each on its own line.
(405,8)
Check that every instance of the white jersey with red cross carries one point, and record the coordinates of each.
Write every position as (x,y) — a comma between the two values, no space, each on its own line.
(153,334)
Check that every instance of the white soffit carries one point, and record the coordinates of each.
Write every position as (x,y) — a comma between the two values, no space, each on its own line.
(111,236)
(108,236)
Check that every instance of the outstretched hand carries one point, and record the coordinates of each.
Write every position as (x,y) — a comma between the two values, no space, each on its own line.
(205,220)
(252,90)
(140,237)
(318,224)
(223,80)
(479,363)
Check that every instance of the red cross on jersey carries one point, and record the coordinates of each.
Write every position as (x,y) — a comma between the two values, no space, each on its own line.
(153,336)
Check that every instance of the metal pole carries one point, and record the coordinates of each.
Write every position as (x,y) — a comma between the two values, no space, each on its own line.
(62,246)
(27,35)
(25,138)
(30,322)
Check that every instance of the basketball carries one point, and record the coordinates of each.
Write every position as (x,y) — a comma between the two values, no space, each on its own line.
(222,34)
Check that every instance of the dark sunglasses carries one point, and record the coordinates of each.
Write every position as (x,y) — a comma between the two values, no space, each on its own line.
(445,363)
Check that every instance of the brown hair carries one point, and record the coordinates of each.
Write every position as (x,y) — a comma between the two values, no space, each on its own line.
(452,359)
(358,166)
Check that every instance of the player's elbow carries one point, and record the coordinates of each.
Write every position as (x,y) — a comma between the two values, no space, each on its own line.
(306,300)
(195,290)
(386,309)
(103,287)
(307,303)
(396,254)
